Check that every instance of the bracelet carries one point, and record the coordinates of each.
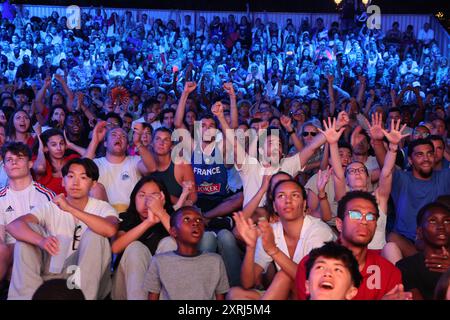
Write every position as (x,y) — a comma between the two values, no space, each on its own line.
(324,197)
(274,253)
(291,132)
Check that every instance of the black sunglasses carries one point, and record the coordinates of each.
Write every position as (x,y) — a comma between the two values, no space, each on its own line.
(307,133)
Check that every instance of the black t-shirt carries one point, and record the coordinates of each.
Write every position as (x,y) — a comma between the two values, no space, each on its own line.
(150,238)
(415,275)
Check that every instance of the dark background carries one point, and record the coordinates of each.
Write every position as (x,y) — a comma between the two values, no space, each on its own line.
(387,6)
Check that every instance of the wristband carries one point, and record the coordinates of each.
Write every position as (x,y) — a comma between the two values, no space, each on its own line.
(291,132)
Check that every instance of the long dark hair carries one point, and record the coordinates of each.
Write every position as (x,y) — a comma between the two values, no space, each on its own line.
(148,179)
(52,123)
(45,137)
(10,129)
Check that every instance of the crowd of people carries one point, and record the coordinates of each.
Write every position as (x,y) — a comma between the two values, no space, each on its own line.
(222,159)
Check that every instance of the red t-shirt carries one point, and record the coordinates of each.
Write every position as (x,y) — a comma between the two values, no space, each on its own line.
(51,182)
(379,277)
(30,141)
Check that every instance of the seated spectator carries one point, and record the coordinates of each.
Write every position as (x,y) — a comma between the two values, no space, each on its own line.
(332,273)
(279,242)
(119,173)
(422,271)
(207,277)
(141,230)
(356,222)
(87,222)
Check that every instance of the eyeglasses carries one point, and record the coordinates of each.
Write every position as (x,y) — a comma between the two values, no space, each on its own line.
(355,170)
(307,133)
(76,237)
(356,215)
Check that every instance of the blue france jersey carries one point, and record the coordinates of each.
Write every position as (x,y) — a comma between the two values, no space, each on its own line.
(210,175)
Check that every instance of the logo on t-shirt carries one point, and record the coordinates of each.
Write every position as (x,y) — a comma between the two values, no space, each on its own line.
(9,209)
(209,188)
(125,175)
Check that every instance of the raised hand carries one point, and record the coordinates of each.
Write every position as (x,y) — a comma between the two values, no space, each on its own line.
(330,78)
(246,229)
(80,97)
(395,134)
(217,109)
(362,79)
(228,87)
(266,181)
(322,179)
(99,131)
(37,128)
(137,133)
(47,82)
(330,132)
(286,122)
(376,128)
(342,120)
(190,86)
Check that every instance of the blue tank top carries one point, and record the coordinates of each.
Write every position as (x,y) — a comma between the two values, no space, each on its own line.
(211,178)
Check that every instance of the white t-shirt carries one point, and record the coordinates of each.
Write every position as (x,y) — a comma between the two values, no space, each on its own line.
(14,204)
(379,238)
(314,234)
(425,36)
(252,173)
(58,222)
(119,179)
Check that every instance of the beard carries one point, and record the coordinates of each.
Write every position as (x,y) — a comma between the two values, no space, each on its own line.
(425,174)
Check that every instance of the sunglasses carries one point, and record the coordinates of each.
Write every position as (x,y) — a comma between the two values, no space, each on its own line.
(356,215)
(307,133)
